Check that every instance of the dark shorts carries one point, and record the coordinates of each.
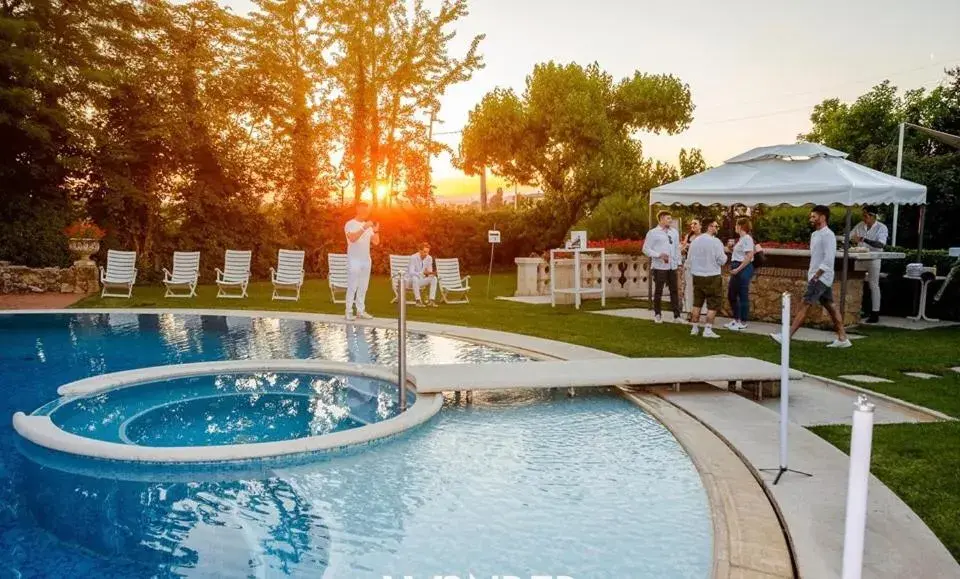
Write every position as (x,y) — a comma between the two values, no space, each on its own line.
(818,293)
(707,289)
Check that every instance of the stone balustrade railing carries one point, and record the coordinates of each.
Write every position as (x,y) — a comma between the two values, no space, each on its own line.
(626,276)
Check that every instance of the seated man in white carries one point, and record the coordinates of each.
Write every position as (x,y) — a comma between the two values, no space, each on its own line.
(420,272)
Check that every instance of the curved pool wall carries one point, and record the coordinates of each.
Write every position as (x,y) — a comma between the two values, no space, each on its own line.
(336,405)
(514,483)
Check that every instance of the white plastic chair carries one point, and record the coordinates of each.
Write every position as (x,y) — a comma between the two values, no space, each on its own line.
(399,264)
(450,281)
(337,276)
(185,274)
(289,274)
(121,273)
(235,274)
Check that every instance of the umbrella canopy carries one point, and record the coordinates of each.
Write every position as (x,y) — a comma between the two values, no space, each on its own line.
(798,174)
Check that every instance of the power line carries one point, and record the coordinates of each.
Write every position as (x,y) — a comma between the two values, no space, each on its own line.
(872,78)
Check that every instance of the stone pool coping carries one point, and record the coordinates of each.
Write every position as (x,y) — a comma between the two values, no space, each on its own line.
(735,510)
(42,431)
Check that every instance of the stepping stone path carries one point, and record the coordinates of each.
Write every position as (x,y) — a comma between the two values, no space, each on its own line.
(922,375)
(865,379)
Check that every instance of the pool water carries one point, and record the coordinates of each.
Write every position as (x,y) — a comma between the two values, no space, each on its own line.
(517,483)
(220,409)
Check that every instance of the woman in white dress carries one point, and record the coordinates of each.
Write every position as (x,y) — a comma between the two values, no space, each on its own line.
(692,234)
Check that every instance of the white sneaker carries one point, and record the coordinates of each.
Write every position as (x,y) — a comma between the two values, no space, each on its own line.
(679,320)
(840,343)
(741,326)
(732,325)
(350,317)
(709,333)
(657,319)
(364,316)
(695,330)
(777,338)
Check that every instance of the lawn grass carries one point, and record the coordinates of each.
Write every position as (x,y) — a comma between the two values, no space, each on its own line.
(920,462)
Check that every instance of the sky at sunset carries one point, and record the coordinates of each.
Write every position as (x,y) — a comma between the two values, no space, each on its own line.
(755,68)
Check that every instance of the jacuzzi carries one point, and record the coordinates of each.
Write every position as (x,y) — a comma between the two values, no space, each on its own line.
(223,411)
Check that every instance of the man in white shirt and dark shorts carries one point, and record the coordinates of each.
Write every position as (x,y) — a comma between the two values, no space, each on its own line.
(872,234)
(420,273)
(823,254)
(662,246)
(361,233)
(705,258)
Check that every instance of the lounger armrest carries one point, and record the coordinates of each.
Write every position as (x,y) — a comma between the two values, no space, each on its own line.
(103,274)
(219,274)
(273,275)
(465,280)
(134,280)
(167,276)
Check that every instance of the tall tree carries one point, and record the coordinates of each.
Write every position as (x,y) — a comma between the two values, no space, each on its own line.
(572,132)
(285,79)
(57,60)
(867,129)
(391,64)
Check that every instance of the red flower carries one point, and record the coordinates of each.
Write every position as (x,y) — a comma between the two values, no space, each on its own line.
(84,229)
(622,246)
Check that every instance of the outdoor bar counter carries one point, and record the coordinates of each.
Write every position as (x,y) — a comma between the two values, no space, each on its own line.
(786,270)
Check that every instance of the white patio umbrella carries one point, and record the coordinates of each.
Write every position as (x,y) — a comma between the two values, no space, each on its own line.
(798,174)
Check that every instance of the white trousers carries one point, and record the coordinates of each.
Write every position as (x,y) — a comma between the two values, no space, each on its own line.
(873,280)
(417,282)
(358,279)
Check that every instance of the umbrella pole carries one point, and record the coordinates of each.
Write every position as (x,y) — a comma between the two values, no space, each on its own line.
(896,207)
(846,265)
(923,217)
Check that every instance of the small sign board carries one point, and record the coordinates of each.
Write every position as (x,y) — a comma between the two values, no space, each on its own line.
(493,236)
(578,240)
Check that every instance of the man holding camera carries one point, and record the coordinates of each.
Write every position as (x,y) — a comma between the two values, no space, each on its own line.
(361,233)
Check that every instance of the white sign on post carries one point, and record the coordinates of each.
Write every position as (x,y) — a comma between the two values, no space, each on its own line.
(493,236)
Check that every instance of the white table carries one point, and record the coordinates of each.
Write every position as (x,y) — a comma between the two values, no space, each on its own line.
(924,284)
(577,290)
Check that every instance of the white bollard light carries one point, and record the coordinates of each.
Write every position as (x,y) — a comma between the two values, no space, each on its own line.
(784,376)
(861,441)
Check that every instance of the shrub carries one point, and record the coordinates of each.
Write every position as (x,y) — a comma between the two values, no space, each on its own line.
(620,246)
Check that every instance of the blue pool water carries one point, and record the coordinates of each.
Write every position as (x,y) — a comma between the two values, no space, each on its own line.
(514,483)
(223,409)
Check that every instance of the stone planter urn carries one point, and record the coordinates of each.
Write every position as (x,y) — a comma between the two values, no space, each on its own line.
(84,247)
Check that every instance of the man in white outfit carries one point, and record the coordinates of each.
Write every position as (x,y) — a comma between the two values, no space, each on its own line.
(705,258)
(872,234)
(662,246)
(360,232)
(420,272)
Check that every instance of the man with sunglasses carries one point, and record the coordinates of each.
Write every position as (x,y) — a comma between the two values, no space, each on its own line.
(662,246)
(872,234)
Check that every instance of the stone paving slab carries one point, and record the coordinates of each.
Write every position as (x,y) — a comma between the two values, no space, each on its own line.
(898,543)
(813,402)
(921,375)
(908,324)
(756,328)
(44,301)
(865,379)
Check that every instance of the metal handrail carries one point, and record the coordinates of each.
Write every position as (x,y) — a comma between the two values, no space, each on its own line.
(402,341)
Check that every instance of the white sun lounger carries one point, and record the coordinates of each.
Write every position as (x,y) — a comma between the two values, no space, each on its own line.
(451,282)
(235,274)
(185,274)
(288,277)
(337,276)
(399,264)
(121,274)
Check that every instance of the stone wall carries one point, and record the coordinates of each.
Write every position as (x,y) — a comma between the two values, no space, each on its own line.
(76,279)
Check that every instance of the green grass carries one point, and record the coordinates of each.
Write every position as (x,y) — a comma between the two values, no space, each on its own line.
(919,462)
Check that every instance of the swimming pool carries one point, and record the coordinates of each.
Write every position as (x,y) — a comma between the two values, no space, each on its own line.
(512,483)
